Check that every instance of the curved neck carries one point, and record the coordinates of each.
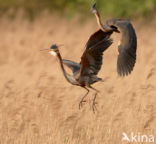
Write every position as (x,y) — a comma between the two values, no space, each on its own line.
(68,77)
(99,21)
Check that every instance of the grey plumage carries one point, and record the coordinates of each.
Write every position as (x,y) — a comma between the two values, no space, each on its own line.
(75,67)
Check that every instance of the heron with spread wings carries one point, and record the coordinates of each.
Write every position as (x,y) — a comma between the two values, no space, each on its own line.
(85,72)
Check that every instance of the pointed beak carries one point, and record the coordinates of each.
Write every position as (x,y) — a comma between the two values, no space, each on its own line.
(44,49)
(51,51)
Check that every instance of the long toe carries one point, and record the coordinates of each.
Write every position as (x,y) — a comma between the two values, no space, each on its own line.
(81,103)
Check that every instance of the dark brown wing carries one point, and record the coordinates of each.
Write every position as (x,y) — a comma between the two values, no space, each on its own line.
(91,59)
(127,47)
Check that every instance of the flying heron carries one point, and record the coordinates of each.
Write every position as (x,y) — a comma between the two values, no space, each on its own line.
(85,72)
(127,45)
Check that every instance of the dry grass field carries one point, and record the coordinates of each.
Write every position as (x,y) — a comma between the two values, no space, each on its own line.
(38,106)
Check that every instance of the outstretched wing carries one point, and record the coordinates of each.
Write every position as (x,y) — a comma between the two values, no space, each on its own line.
(127,46)
(91,59)
(75,67)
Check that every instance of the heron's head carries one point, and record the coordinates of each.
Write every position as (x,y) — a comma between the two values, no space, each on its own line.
(54,50)
(93,9)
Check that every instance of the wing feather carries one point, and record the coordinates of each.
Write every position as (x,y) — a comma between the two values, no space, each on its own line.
(91,60)
(128,46)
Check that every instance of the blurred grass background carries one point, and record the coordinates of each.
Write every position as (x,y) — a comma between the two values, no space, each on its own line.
(115,8)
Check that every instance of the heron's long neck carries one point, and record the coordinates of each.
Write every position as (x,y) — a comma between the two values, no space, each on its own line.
(62,67)
(99,21)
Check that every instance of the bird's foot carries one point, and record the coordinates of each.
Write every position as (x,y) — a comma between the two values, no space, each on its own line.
(94,103)
(81,103)
(94,106)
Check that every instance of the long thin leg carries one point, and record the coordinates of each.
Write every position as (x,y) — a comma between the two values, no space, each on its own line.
(94,89)
(94,102)
(82,100)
